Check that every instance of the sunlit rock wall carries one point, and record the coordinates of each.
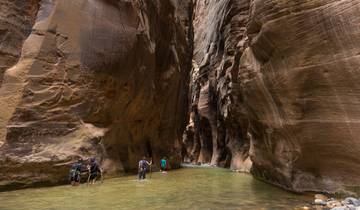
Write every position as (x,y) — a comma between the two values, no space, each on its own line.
(294,95)
(101,78)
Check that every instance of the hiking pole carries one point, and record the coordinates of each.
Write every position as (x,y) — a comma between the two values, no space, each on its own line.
(102,176)
(88,179)
(151,167)
(150,171)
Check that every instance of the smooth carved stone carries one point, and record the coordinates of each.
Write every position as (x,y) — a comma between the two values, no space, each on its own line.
(219,136)
(305,62)
(95,78)
(277,82)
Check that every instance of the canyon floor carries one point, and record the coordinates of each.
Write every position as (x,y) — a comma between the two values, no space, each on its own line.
(189,188)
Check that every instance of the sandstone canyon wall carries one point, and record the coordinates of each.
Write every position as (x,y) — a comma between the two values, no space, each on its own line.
(273,88)
(82,78)
(274,91)
(215,133)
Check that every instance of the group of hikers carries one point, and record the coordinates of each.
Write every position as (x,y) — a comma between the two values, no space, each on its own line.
(94,171)
(145,166)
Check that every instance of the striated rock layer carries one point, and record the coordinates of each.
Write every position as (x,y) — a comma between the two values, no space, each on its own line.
(276,81)
(16,20)
(273,88)
(217,132)
(104,78)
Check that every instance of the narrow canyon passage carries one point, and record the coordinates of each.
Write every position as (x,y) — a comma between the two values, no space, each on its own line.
(266,87)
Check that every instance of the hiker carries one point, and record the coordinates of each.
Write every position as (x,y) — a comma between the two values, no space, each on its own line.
(163,164)
(143,164)
(75,173)
(94,171)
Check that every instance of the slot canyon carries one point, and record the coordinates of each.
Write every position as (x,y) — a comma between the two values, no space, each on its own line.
(266,87)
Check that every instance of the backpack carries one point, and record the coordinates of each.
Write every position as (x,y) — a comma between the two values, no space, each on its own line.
(143,164)
(75,170)
(94,167)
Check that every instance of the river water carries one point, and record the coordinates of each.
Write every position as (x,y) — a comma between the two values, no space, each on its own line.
(189,188)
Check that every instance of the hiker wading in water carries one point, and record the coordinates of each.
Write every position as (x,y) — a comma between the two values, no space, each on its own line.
(143,165)
(94,171)
(75,173)
(163,164)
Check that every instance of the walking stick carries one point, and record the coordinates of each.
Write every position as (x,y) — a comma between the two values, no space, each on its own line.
(150,168)
(102,176)
(88,179)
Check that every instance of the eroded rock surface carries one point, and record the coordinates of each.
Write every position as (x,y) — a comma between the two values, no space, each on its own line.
(273,88)
(16,20)
(277,81)
(215,133)
(100,78)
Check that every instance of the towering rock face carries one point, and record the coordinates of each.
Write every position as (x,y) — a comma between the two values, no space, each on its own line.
(277,81)
(16,20)
(273,89)
(217,133)
(104,78)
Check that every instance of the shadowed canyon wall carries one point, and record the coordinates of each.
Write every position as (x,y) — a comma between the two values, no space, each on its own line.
(276,81)
(216,134)
(104,78)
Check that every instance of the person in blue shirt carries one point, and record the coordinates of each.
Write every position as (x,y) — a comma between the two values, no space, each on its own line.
(163,164)
(75,173)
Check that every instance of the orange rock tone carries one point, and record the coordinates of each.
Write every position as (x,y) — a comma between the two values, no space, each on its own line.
(274,90)
(265,86)
(80,78)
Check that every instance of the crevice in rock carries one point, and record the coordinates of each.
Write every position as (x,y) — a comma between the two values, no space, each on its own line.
(148,150)
(220,39)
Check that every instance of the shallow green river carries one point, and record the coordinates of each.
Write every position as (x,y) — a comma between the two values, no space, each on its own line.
(191,188)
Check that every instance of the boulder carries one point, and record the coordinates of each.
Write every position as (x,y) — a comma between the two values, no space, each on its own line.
(321,196)
(352,201)
(320,202)
(333,204)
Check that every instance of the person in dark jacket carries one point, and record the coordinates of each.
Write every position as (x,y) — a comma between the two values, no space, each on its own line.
(94,171)
(143,165)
